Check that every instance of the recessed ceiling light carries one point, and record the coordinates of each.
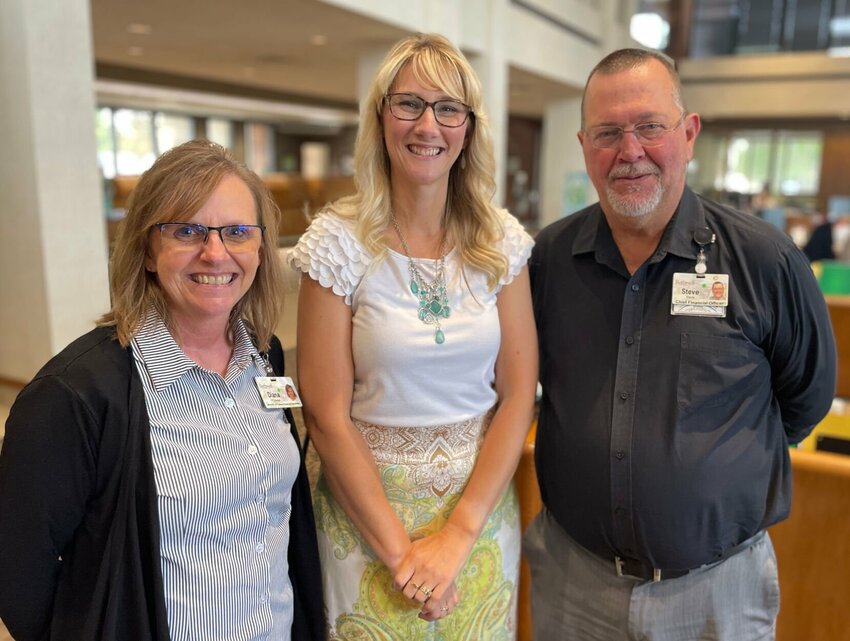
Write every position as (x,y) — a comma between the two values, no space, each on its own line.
(139,29)
(318,40)
(135,51)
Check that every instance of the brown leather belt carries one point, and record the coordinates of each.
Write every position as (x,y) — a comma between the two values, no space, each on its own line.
(639,570)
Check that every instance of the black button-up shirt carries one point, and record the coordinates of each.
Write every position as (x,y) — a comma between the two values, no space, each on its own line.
(664,438)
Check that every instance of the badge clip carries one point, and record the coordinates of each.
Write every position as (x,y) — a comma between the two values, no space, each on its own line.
(702,237)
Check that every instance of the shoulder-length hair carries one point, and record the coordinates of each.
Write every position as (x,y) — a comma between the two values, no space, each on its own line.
(471,218)
(173,190)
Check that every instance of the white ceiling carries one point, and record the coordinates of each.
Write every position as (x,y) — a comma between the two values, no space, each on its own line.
(259,48)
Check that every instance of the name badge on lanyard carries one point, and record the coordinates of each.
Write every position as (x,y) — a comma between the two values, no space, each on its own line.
(700,294)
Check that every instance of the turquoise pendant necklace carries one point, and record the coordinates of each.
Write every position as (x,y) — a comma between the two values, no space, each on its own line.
(433,298)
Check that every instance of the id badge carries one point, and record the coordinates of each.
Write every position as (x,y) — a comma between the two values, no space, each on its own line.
(277,391)
(700,295)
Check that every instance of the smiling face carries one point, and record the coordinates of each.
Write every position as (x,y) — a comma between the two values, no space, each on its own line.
(634,181)
(717,290)
(421,152)
(202,283)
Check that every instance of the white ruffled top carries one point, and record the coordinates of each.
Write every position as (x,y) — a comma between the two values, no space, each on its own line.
(402,377)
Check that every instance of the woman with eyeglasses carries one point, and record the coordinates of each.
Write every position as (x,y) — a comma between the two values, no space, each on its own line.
(418,365)
(148,489)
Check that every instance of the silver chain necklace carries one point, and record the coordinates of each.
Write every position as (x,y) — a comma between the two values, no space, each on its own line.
(433,298)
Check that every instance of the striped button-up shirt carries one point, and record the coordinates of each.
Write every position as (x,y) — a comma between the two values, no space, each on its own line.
(224,468)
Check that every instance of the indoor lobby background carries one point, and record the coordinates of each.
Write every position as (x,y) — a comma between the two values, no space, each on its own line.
(91,91)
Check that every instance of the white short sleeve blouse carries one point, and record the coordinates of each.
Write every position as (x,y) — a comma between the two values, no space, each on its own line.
(402,377)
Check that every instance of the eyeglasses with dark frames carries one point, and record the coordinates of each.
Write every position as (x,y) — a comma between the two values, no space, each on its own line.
(648,134)
(236,238)
(409,106)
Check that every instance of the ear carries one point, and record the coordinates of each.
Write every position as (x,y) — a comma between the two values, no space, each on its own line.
(692,126)
(470,130)
(580,136)
(150,263)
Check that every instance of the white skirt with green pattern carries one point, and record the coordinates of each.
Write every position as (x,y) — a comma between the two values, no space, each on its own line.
(424,471)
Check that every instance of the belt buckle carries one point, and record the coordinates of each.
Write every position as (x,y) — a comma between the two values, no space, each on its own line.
(618,565)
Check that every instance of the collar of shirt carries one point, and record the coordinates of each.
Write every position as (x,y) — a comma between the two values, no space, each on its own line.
(594,236)
(166,362)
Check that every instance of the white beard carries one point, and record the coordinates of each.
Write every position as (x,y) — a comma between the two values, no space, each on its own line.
(635,203)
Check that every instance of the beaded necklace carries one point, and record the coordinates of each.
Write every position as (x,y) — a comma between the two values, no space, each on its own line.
(433,298)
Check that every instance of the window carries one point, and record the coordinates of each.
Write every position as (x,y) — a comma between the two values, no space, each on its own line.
(747,161)
(722,27)
(220,131)
(105,142)
(129,140)
(172,130)
(798,163)
(134,141)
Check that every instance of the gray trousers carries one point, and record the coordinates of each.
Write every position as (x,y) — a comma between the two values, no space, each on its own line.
(577,596)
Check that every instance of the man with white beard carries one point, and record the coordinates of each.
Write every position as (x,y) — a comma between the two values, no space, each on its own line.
(662,443)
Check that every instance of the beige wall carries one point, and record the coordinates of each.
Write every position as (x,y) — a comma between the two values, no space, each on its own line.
(792,85)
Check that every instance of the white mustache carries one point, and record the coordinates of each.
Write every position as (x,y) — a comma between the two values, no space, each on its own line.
(630,171)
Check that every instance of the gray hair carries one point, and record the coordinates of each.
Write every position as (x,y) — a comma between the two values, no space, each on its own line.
(626,59)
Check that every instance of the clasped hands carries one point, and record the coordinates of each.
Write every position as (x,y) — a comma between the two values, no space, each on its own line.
(428,572)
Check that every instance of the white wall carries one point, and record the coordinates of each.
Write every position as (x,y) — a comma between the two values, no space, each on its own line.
(53,258)
(549,50)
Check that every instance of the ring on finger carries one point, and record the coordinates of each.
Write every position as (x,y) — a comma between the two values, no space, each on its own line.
(444,609)
(415,585)
(425,590)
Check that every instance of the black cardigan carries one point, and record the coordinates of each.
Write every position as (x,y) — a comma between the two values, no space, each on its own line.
(77,482)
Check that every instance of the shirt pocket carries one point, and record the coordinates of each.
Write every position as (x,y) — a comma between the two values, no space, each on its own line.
(715,371)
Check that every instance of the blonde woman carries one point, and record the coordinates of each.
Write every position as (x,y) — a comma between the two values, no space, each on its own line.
(417,362)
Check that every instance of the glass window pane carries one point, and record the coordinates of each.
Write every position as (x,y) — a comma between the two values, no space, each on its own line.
(220,131)
(747,162)
(172,130)
(707,168)
(798,162)
(105,144)
(134,141)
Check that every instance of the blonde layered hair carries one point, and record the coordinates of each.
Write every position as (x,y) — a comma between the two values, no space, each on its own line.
(472,220)
(173,190)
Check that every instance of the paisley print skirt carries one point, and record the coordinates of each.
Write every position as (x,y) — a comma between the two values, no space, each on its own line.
(423,470)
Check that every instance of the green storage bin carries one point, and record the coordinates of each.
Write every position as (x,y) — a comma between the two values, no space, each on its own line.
(835,277)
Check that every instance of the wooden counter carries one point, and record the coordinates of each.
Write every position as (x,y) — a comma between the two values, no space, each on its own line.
(812,548)
(839,312)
